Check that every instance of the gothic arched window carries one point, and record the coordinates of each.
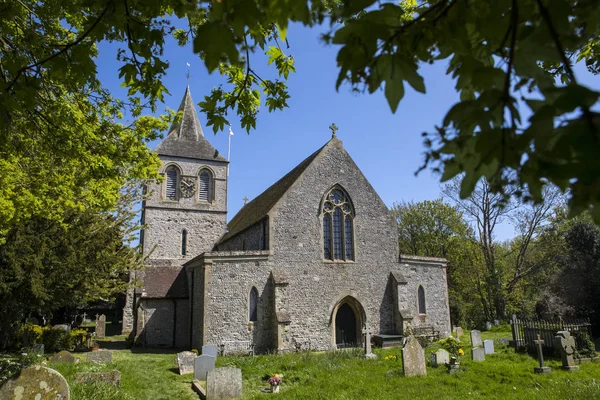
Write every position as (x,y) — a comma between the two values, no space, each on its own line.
(253,309)
(421,296)
(205,187)
(171,185)
(338,231)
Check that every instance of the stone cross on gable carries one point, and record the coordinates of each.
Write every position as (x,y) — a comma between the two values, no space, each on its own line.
(245,200)
(367,332)
(541,369)
(334,129)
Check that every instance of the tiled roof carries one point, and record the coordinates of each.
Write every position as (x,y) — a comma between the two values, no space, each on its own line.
(185,138)
(162,280)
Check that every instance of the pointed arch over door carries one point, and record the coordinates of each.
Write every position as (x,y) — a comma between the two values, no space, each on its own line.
(347,319)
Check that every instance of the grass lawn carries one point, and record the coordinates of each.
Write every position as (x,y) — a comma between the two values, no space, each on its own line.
(345,375)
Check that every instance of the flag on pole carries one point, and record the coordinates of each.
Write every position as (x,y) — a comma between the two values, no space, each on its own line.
(230,131)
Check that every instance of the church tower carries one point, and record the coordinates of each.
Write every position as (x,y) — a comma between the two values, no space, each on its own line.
(184,216)
(186,213)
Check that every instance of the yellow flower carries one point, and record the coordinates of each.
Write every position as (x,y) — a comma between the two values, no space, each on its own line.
(461,352)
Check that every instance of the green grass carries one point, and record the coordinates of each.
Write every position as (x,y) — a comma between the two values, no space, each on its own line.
(346,375)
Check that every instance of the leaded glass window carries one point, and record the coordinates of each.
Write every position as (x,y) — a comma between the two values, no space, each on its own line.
(253,311)
(338,232)
(171,183)
(421,296)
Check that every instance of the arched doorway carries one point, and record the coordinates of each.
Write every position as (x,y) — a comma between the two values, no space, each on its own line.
(348,318)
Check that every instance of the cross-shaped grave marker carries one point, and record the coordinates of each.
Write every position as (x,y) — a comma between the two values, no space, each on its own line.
(541,369)
(367,332)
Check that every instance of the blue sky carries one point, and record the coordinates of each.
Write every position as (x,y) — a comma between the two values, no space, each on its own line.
(387,147)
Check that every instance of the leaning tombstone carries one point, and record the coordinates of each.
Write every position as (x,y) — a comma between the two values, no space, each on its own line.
(566,345)
(37,382)
(413,358)
(476,338)
(63,356)
(210,350)
(101,356)
(203,364)
(185,362)
(488,346)
(478,354)
(541,369)
(224,383)
(101,327)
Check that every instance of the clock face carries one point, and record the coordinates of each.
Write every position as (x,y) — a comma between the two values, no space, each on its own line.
(188,186)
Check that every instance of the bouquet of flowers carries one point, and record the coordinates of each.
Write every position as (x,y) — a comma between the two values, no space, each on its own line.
(275,380)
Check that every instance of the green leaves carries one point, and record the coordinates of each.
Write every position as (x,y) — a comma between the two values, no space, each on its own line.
(216,42)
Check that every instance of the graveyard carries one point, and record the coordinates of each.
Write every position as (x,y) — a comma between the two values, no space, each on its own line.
(342,374)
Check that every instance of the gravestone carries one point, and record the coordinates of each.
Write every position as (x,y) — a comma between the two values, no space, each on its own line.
(488,346)
(566,344)
(413,358)
(35,382)
(488,325)
(62,327)
(101,327)
(541,369)
(64,356)
(478,354)
(442,357)
(224,383)
(203,364)
(38,348)
(101,356)
(476,338)
(458,332)
(185,362)
(110,377)
(210,350)
(496,322)
(368,353)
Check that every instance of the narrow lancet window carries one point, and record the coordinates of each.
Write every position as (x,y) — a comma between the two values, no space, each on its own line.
(183,242)
(253,311)
(421,295)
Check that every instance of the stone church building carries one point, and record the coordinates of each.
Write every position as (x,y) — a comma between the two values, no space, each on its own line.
(306,264)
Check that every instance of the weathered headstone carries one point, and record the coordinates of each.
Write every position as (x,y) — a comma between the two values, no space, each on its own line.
(566,344)
(38,348)
(101,356)
(488,346)
(442,357)
(478,354)
(210,350)
(476,338)
(541,369)
(62,327)
(496,322)
(110,377)
(413,358)
(224,383)
(185,362)
(63,356)
(488,325)
(101,327)
(458,332)
(203,364)
(37,382)
(368,353)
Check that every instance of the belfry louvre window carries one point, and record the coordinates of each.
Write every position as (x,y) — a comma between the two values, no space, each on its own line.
(204,190)
(171,183)
(338,231)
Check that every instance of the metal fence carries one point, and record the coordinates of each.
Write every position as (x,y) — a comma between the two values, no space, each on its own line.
(525,331)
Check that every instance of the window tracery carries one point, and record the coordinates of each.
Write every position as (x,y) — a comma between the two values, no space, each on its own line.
(338,232)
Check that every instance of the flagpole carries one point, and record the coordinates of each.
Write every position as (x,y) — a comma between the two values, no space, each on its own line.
(229,149)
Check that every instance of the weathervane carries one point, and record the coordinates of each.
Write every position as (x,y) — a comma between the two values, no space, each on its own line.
(334,129)
(188,70)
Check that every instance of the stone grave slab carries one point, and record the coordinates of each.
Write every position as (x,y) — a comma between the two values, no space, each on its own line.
(101,327)
(37,382)
(110,377)
(224,383)
(203,364)
(478,354)
(476,338)
(101,356)
(63,356)
(185,362)
(210,350)
(488,346)
(442,357)
(458,332)
(413,358)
